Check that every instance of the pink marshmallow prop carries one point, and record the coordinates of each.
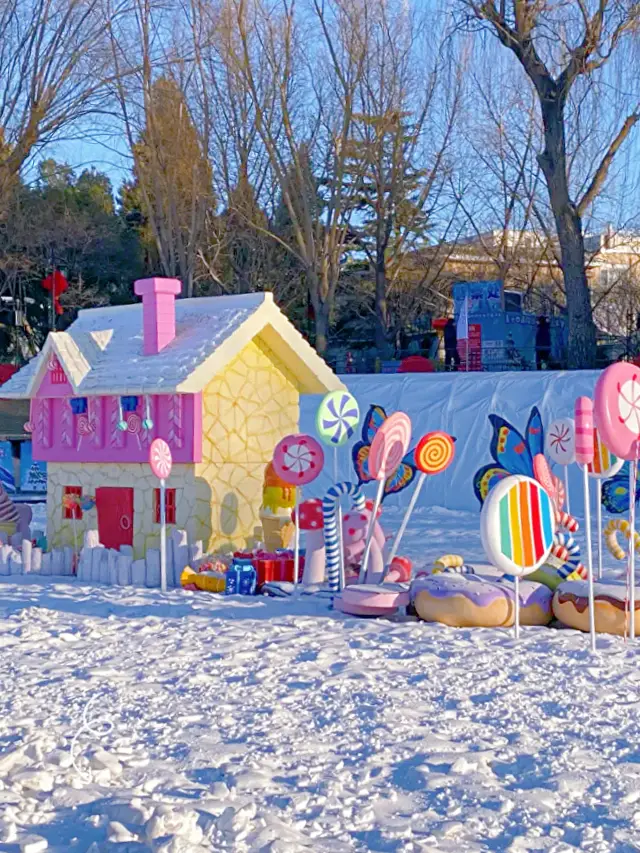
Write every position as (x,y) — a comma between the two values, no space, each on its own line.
(584,456)
(389,445)
(617,412)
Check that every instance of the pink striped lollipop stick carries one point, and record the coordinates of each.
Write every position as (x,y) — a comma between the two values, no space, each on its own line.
(584,456)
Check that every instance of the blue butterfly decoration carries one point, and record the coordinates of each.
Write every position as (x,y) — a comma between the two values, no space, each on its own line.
(615,491)
(512,452)
(404,473)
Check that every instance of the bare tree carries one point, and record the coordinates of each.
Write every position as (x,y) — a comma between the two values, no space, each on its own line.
(300,75)
(53,73)
(562,48)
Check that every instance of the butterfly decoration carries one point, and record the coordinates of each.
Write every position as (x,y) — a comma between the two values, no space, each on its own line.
(404,473)
(615,491)
(512,453)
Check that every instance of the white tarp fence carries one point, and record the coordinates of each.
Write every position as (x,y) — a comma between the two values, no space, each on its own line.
(460,404)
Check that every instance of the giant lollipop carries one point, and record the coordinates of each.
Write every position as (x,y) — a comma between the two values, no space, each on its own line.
(388,448)
(584,456)
(560,445)
(298,460)
(336,421)
(433,455)
(617,410)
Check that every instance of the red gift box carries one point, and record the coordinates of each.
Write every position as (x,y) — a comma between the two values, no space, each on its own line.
(276,567)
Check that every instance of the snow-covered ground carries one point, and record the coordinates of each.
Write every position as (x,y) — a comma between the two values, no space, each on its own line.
(134,721)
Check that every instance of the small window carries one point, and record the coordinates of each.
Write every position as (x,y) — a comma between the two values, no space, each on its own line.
(169,505)
(58,376)
(70,507)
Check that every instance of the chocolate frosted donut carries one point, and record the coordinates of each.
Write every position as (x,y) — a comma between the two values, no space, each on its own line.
(571,607)
(470,601)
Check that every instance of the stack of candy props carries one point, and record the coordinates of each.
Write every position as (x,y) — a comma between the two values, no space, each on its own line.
(611,607)
(278,499)
(238,578)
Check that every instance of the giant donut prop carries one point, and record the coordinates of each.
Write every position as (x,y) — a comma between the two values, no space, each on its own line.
(470,601)
(615,526)
(612,615)
(371,599)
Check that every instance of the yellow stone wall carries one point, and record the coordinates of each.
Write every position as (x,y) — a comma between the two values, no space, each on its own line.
(247,409)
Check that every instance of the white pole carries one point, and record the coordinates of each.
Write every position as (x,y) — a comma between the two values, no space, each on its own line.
(566,487)
(632,550)
(339,520)
(405,521)
(517,606)
(587,533)
(296,547)
(163,539)
(372,524)
(599,524)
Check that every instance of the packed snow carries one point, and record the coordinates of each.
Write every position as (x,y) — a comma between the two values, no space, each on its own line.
(136,721)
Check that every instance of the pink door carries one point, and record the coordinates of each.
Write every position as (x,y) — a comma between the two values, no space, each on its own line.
(115,516)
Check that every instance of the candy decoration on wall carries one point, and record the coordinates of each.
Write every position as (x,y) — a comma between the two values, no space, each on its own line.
(336,421)
(604,465)
(617,410)
(433,455)
(147,423)
(516,528)
(161,462)
(30,425)
(584,456)
(560,446)
(134,426)
(388,448)
(330,504)
(298,460)
(122,424)
(83,428)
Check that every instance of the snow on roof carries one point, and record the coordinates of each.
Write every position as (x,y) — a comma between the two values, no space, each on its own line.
(102,351)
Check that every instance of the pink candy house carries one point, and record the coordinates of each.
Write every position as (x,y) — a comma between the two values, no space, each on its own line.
(218,378)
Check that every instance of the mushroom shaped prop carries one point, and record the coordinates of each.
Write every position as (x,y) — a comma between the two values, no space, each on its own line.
(354,529)
(312,524)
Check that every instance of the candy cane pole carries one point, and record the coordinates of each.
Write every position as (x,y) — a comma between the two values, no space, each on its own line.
(633,473)
(330,503)
(396,542)
(599,524)
(296,543)
(372,524)
(339,519)
(584,455)
(163,538)
(566,487)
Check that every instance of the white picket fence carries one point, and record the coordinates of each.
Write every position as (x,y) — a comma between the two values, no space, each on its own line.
(97,564)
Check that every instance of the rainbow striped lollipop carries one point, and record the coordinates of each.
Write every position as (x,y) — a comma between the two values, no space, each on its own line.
(337,418)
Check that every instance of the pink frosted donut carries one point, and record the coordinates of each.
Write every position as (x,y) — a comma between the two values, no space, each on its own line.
(370,599)
(470,601)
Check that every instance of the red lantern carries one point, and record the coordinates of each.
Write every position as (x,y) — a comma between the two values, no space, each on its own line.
(57,283)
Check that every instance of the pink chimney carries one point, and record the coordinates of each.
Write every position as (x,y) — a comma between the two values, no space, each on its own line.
(158,311)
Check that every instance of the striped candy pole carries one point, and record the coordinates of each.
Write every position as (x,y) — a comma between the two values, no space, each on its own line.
(330,504)
(584,456)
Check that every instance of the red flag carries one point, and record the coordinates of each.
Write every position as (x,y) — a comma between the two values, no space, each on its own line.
(58,284)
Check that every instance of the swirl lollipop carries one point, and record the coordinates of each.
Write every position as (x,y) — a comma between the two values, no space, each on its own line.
(298,460)
(337,418)
(84,428)
(433,455)
(560,447)
(389,445)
